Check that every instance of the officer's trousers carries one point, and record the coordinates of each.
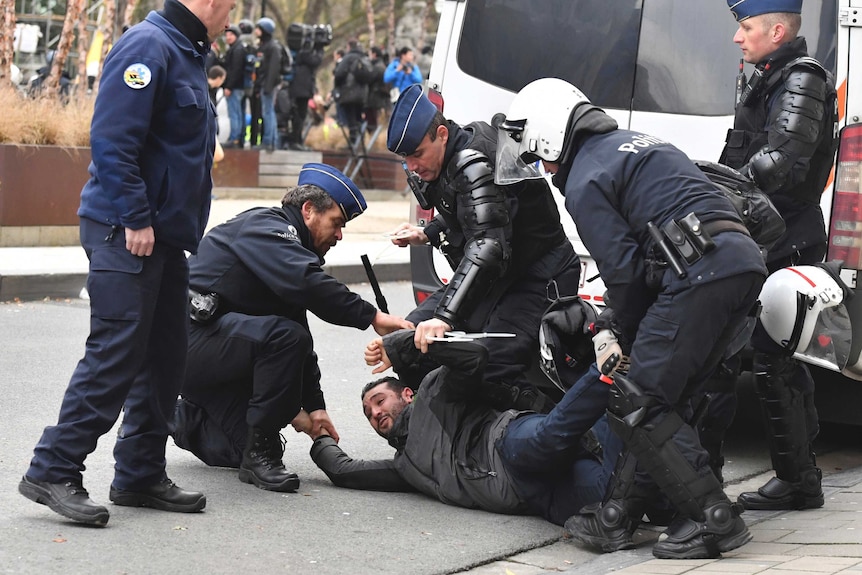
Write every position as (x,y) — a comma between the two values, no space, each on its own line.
(245,371)
(134,360)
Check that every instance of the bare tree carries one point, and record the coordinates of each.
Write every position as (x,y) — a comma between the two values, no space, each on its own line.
(7,38)
(130,10)
(83,43)
(372,30)
(107,28)
(390,32)
(74,8)
(427,10)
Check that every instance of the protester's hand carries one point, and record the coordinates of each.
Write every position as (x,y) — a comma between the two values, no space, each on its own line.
(376,357)
(140,242)
(606,346)
(408,235)
(429,328)
(322,425)
(384,323)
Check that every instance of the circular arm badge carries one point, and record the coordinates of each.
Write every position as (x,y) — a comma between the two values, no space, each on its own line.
(137,76)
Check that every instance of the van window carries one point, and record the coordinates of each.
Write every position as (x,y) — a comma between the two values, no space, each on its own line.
(670,56)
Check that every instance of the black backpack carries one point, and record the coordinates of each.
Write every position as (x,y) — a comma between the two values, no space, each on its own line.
(249,70)
(754,207)
(286,64)
(363,70)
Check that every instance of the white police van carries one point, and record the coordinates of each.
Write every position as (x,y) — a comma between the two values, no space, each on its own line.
(667,68)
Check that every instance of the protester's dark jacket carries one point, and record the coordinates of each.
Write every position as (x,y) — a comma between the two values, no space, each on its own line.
(444,440)
(797,195)
(154,131)
(348,86)
(305,64)
(234,65)
(269,71)
(378,90)
(616,183)
(262,262)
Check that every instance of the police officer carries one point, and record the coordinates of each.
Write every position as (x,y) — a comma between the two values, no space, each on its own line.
(252,365)
(145,204)
(682,274)
(784,139)
(505,243)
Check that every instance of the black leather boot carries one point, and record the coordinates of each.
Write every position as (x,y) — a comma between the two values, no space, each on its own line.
(806,493)
(720,529)
(261,463)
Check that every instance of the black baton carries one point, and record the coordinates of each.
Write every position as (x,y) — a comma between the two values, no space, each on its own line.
(666,251)
(378,295)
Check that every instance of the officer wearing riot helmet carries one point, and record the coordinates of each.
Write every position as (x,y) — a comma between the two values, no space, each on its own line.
(783,138)
(252,364)
(682,274)
(506,245)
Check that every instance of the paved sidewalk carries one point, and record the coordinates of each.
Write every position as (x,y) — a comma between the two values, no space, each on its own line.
(33,273)
(826,541)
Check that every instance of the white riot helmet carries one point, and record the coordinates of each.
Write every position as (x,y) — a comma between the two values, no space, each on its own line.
(565,340)
(803,312)
(535,128)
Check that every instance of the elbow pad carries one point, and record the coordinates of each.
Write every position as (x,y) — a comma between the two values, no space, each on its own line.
(480,267)
(796,124)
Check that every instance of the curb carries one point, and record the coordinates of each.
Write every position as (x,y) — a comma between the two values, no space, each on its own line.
(36,287)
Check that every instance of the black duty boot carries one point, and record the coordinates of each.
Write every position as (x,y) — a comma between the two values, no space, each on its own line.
(69,499)
(722,529)
(780,494)
(606,526)
(262,465)
(609,526)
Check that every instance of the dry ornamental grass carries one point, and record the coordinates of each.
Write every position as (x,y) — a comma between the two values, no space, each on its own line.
(44,121)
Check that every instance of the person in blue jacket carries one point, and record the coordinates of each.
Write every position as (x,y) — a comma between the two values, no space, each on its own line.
(252,364)
(683,275)
(403,72)
(146,203)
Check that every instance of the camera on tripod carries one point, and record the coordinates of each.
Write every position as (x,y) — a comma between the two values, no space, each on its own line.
(308,36)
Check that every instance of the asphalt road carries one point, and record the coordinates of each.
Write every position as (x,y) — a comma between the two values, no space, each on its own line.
(320,530)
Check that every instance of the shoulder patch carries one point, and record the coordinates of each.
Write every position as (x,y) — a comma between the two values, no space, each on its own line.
(290,234)
(137,76)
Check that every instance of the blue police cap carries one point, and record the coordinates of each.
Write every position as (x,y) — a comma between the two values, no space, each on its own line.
(743,9)
(410,119)
(339,187)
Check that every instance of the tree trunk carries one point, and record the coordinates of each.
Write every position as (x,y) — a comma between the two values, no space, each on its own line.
(390,32)
(130,10)
(107,26)
(426,15)
(83,42)
(74,8)
(372,30)
(7,38)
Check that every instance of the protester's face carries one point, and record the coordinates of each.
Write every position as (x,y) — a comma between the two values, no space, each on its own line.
(230,38)
(427,160)
(382,406)
(754,39)
(324,227)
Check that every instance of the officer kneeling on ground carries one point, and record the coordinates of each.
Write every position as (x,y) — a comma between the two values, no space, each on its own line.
(683,275)
(515,462)
(251,364)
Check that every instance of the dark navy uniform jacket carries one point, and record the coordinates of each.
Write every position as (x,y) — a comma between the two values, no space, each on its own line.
(619,181)
(262,262)
(148,168)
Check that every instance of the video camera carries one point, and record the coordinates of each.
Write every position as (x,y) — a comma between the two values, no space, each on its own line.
(307,36)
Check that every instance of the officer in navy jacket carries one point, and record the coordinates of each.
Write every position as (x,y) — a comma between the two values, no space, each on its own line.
(147,201)
(252,364)
(682,274)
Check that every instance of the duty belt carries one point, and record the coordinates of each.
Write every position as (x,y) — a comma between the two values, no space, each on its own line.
(686,240)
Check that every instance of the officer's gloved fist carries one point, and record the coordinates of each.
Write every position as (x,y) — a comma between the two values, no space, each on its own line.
(608,351)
